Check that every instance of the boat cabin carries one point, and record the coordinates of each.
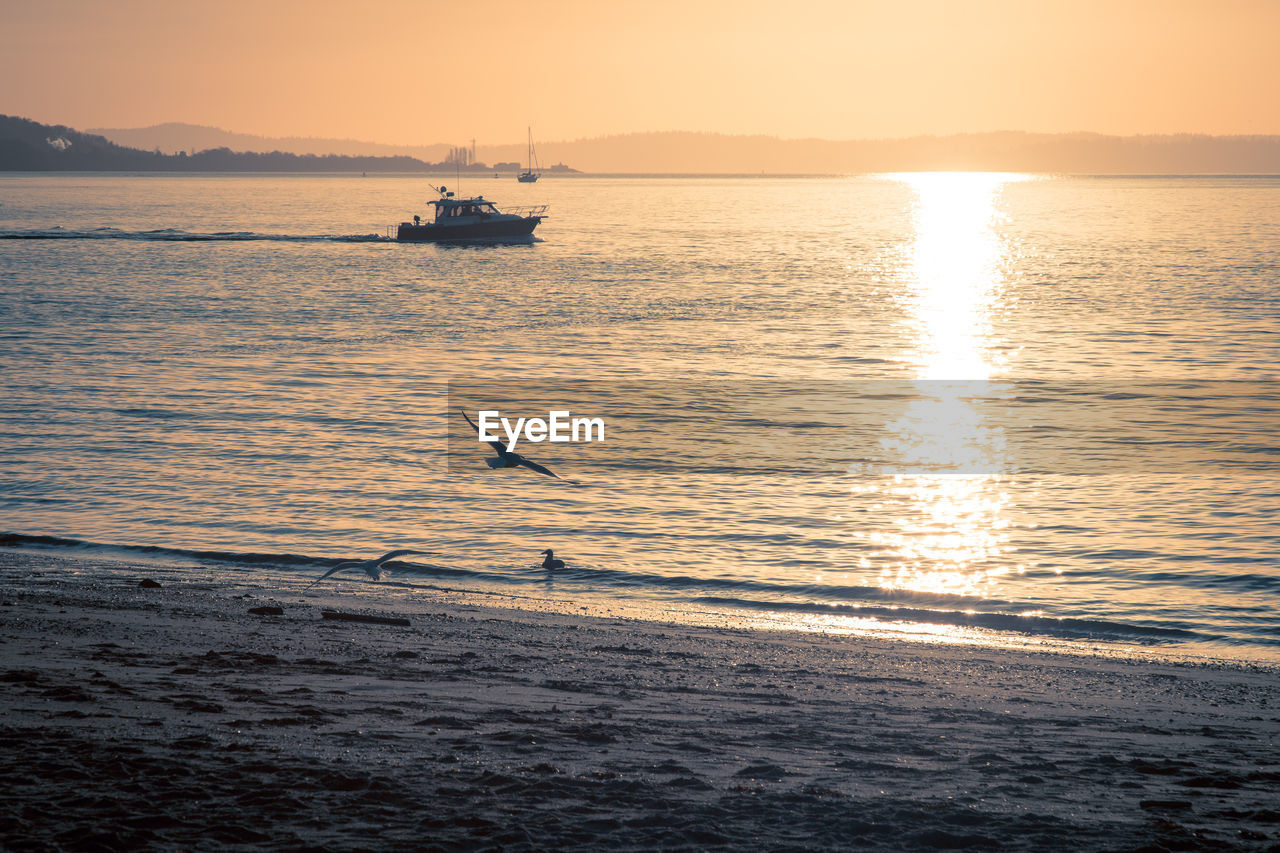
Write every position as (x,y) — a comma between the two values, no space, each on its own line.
(449,208)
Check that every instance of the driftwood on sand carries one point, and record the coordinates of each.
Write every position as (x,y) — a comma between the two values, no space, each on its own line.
(361,617)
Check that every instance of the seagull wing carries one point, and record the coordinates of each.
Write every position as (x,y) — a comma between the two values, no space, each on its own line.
(391,555)
(338,568)
(534,466)
(496,445)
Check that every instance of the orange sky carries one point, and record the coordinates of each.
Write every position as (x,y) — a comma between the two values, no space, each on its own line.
(428,71)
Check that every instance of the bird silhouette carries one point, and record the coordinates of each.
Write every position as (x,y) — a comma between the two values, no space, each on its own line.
(372,568)
(509,458)
(550,562)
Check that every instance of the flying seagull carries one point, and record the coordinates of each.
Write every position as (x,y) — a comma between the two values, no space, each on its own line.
(372,568)
(509,458)
(551,562)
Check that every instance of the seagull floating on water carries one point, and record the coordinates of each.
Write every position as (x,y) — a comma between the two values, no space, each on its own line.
(372,568)
(509,458)
(551,562)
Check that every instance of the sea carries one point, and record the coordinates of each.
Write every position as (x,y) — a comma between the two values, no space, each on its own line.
(962,407)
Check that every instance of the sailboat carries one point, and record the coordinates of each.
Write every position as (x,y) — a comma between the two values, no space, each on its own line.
(528,176)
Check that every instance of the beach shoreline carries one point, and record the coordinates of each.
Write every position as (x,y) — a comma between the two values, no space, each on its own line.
(173,718)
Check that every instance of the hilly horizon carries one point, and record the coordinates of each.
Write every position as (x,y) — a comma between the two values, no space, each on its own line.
(29,146)
(684,152)
(173,137)
(666,152)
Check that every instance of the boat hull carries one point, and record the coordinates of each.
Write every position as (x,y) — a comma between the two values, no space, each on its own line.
(492,230)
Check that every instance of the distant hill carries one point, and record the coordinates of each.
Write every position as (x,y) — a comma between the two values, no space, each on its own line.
(684,152)
(1075,153)
(26,145)
(174,137)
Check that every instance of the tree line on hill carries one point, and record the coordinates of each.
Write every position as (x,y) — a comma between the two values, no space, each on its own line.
(29,146)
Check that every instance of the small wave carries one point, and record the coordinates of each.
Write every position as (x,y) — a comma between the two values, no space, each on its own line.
(625,580)
(884,605)
(1065,627)
(158,414)
(173,235)
(278,560)
(20,540)
(596,578)
(1245,582)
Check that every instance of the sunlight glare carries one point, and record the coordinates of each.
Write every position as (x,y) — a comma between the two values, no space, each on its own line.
(949,530)
(955,271)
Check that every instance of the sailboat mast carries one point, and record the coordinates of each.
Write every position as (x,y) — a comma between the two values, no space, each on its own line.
(528,176)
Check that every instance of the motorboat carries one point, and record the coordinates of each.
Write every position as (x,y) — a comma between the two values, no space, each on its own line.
(473,218)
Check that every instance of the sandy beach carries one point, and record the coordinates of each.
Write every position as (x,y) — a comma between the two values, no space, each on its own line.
(174,718)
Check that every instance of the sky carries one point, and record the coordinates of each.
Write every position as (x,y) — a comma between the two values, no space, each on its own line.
(427,72)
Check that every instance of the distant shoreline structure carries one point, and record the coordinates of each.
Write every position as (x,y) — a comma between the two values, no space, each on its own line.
(26,145)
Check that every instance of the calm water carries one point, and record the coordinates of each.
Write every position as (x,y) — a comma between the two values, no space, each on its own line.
(246,366)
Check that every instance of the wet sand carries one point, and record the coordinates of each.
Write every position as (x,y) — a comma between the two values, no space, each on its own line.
(173,718)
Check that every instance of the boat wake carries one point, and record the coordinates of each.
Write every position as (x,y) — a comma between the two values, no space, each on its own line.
(174,235)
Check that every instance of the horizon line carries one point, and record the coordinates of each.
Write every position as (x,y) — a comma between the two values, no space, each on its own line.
(686,132)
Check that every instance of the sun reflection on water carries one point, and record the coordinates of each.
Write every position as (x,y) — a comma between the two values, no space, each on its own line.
(955,272)
(948,528)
